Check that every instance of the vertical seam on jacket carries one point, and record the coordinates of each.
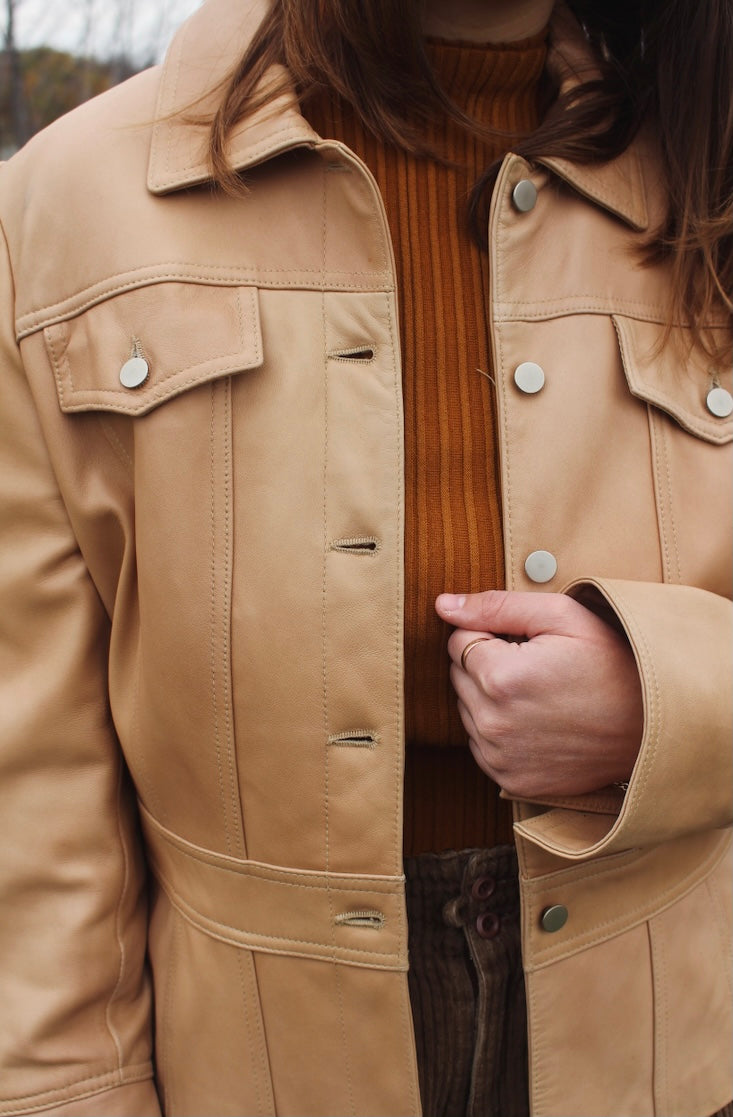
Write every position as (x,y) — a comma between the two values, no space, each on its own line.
(721,924)
(212,618)
(257,1044)
(495,294)
(324,634)
(398,763)
(660,1013)
(229,742)
(661,422)
(120,942)
(165,1035)
(663,493)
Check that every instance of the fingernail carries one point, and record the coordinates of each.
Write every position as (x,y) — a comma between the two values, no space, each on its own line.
(451,602)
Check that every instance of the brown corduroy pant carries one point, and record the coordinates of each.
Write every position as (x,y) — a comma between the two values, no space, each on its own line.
(467,985)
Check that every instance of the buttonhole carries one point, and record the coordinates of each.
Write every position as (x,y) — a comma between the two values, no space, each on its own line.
(358,545)
(357,353)
(374,920)
(355,739)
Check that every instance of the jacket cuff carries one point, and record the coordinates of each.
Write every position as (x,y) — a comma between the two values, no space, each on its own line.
(682,779)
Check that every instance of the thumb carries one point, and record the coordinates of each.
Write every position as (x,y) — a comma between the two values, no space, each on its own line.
(510,612)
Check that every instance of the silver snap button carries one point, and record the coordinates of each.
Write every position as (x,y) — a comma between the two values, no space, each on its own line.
(719,402)
(529,377)
(134,372)
(540,566)
(524,195)
(554,918)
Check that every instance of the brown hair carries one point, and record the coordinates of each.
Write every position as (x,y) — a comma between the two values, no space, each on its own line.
(665,61)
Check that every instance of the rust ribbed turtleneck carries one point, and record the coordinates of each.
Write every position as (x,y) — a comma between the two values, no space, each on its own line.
(453,537)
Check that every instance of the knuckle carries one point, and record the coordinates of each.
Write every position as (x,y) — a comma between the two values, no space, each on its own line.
(484,722)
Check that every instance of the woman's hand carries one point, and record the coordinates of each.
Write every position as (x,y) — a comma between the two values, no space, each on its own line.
(557,713)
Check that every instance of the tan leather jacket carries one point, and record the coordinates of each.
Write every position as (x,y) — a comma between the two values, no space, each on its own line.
(201,585)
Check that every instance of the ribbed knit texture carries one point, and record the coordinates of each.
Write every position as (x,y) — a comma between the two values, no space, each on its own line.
(453,537)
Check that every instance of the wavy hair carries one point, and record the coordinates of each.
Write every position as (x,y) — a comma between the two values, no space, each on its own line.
(665,62)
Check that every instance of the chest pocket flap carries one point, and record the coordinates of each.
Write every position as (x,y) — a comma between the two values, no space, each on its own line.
(183,334)
(675,378)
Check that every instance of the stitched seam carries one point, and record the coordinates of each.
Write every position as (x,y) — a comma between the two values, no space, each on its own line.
(143,402)
(397,766)
(636,310)
(253,151)
(109,1080)
(721,926)
(266,1070)
(212,620)
(116,444)
(167,1038)
(248,1029)
(388,893)
(118,923)
(670,500)
(226,620)
(193,916)
(661,1020)
(177,372)
(674,892)
(688,420)
(209,278)
(55,363)
(654,722)
(499,372)
(326,450)
(657,454)
(273,876)
(340,957)
(664,451)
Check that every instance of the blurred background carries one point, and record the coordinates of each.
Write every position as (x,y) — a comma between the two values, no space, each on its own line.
(57,53)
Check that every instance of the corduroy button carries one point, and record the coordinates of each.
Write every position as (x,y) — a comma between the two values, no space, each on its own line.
(529,377)
(483,887)
(488,925)
(524,195)
(134,372)
(719,402)
(554,918)
(540,566)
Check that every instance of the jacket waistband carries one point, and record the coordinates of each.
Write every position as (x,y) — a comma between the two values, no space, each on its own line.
(348,918)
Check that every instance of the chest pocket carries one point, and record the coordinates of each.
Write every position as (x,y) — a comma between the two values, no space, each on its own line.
(179,335)
(676,378)
(690,449)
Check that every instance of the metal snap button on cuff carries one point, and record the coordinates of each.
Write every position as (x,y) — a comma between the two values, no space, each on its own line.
(540,566)
(554,918)
(488,925)
(719,402)
(524,195)
(134,372)
(529,377)
(483,887)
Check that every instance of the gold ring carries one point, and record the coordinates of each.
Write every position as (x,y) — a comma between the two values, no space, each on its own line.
(472,644)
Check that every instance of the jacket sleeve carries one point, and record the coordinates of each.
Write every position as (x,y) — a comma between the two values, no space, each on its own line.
(682,638)
(75,1034)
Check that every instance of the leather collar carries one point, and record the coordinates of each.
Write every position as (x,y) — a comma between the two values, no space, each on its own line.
(207,47)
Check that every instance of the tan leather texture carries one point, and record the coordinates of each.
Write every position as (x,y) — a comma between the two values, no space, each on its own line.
(201,613)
